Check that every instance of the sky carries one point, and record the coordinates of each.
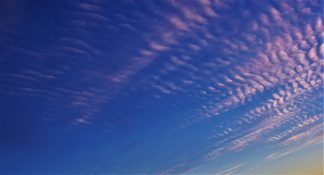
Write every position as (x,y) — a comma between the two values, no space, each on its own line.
(161,87)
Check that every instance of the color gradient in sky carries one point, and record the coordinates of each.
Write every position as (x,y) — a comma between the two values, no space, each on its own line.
(161,87)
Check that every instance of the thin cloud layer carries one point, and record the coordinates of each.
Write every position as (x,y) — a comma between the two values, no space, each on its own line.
(211,79)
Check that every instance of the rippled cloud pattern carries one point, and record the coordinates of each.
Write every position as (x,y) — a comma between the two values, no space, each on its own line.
(158,87)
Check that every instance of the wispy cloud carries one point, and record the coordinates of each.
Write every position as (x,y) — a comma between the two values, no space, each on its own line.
(259,68)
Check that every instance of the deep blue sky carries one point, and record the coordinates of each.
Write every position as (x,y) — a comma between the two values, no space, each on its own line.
(159,87)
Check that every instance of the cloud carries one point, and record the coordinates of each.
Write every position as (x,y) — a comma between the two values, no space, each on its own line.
(192,16)
(255,76)
(231,170)
(179,23)
(158,47)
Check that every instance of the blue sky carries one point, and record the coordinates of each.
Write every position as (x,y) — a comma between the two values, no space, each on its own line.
(160,87)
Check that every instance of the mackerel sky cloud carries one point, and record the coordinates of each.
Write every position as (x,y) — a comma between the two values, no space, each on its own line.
(160,87)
